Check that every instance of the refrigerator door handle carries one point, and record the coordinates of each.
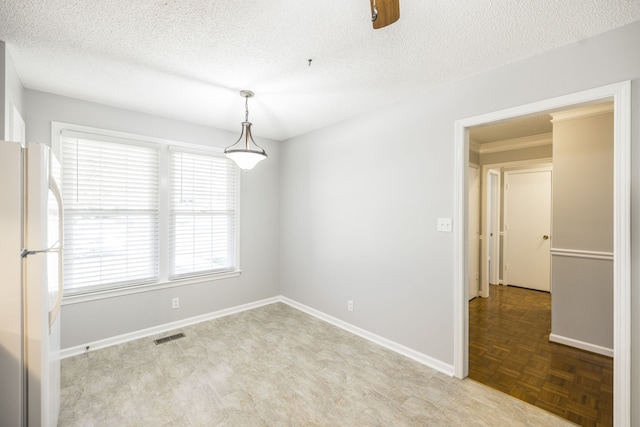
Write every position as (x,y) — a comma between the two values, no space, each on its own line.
(26,252)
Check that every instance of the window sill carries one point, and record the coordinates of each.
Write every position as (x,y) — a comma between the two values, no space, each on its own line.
(136,289)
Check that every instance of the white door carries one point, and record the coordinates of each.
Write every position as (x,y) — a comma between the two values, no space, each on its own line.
(474,231)
(527,218)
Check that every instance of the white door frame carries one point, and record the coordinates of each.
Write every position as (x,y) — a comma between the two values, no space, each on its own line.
(489,219)
(497,169)
(620,94)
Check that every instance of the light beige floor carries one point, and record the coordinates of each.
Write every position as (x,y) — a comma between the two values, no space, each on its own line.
(274,365)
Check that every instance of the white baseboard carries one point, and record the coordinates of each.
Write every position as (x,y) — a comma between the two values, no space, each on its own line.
(391,345)
(121,339)
(581,345)
(376,339)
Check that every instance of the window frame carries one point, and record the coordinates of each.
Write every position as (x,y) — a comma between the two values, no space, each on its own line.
(164,279)
(173,210)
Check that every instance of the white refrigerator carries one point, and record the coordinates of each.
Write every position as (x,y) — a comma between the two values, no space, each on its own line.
(31,285)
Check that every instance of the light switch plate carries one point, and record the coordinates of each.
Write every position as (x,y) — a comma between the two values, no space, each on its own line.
(444,224)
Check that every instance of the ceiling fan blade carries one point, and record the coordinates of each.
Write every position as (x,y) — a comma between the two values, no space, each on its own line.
(385,12)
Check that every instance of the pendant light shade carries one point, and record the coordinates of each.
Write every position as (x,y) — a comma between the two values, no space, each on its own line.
(245,152)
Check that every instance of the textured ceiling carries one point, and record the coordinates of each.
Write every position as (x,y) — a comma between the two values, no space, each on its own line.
(187,59)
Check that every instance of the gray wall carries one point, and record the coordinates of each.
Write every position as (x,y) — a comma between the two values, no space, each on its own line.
(582,307)
(89,321)
(360,199)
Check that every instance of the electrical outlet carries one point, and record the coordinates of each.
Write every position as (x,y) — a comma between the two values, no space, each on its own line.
(350,305)
(175,303)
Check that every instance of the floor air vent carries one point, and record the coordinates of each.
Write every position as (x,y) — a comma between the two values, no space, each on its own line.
(167,339)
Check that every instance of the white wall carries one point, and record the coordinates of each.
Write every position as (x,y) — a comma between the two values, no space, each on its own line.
(95,320)
(360,200)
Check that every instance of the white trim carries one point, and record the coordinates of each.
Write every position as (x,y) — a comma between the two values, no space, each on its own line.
(581,345)
(460,251)
(422,358)
(622,254)
(517,143)
(578,113)
(58,127)
(436,364)
(124,338)
(521,164)
(576,253)
(620,93)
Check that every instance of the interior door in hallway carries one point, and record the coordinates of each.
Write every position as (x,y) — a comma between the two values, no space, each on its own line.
(527,210)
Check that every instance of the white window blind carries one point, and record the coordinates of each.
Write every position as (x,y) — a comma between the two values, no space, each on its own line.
(110,193)
(202,214)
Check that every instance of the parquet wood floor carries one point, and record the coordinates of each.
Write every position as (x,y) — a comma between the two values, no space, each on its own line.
(509,350)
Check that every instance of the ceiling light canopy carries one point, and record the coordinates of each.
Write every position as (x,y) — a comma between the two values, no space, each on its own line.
(245,152)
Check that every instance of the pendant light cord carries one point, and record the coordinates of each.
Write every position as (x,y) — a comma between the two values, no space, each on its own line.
(246,119)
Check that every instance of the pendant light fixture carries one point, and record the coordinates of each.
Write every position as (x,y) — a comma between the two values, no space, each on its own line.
(245,152)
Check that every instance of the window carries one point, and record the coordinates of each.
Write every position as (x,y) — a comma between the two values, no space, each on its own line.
(144,212)
(202,214)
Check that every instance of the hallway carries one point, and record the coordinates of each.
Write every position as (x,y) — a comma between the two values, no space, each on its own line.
(509,350)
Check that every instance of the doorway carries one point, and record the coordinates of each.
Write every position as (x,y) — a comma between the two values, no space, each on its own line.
(620,95)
